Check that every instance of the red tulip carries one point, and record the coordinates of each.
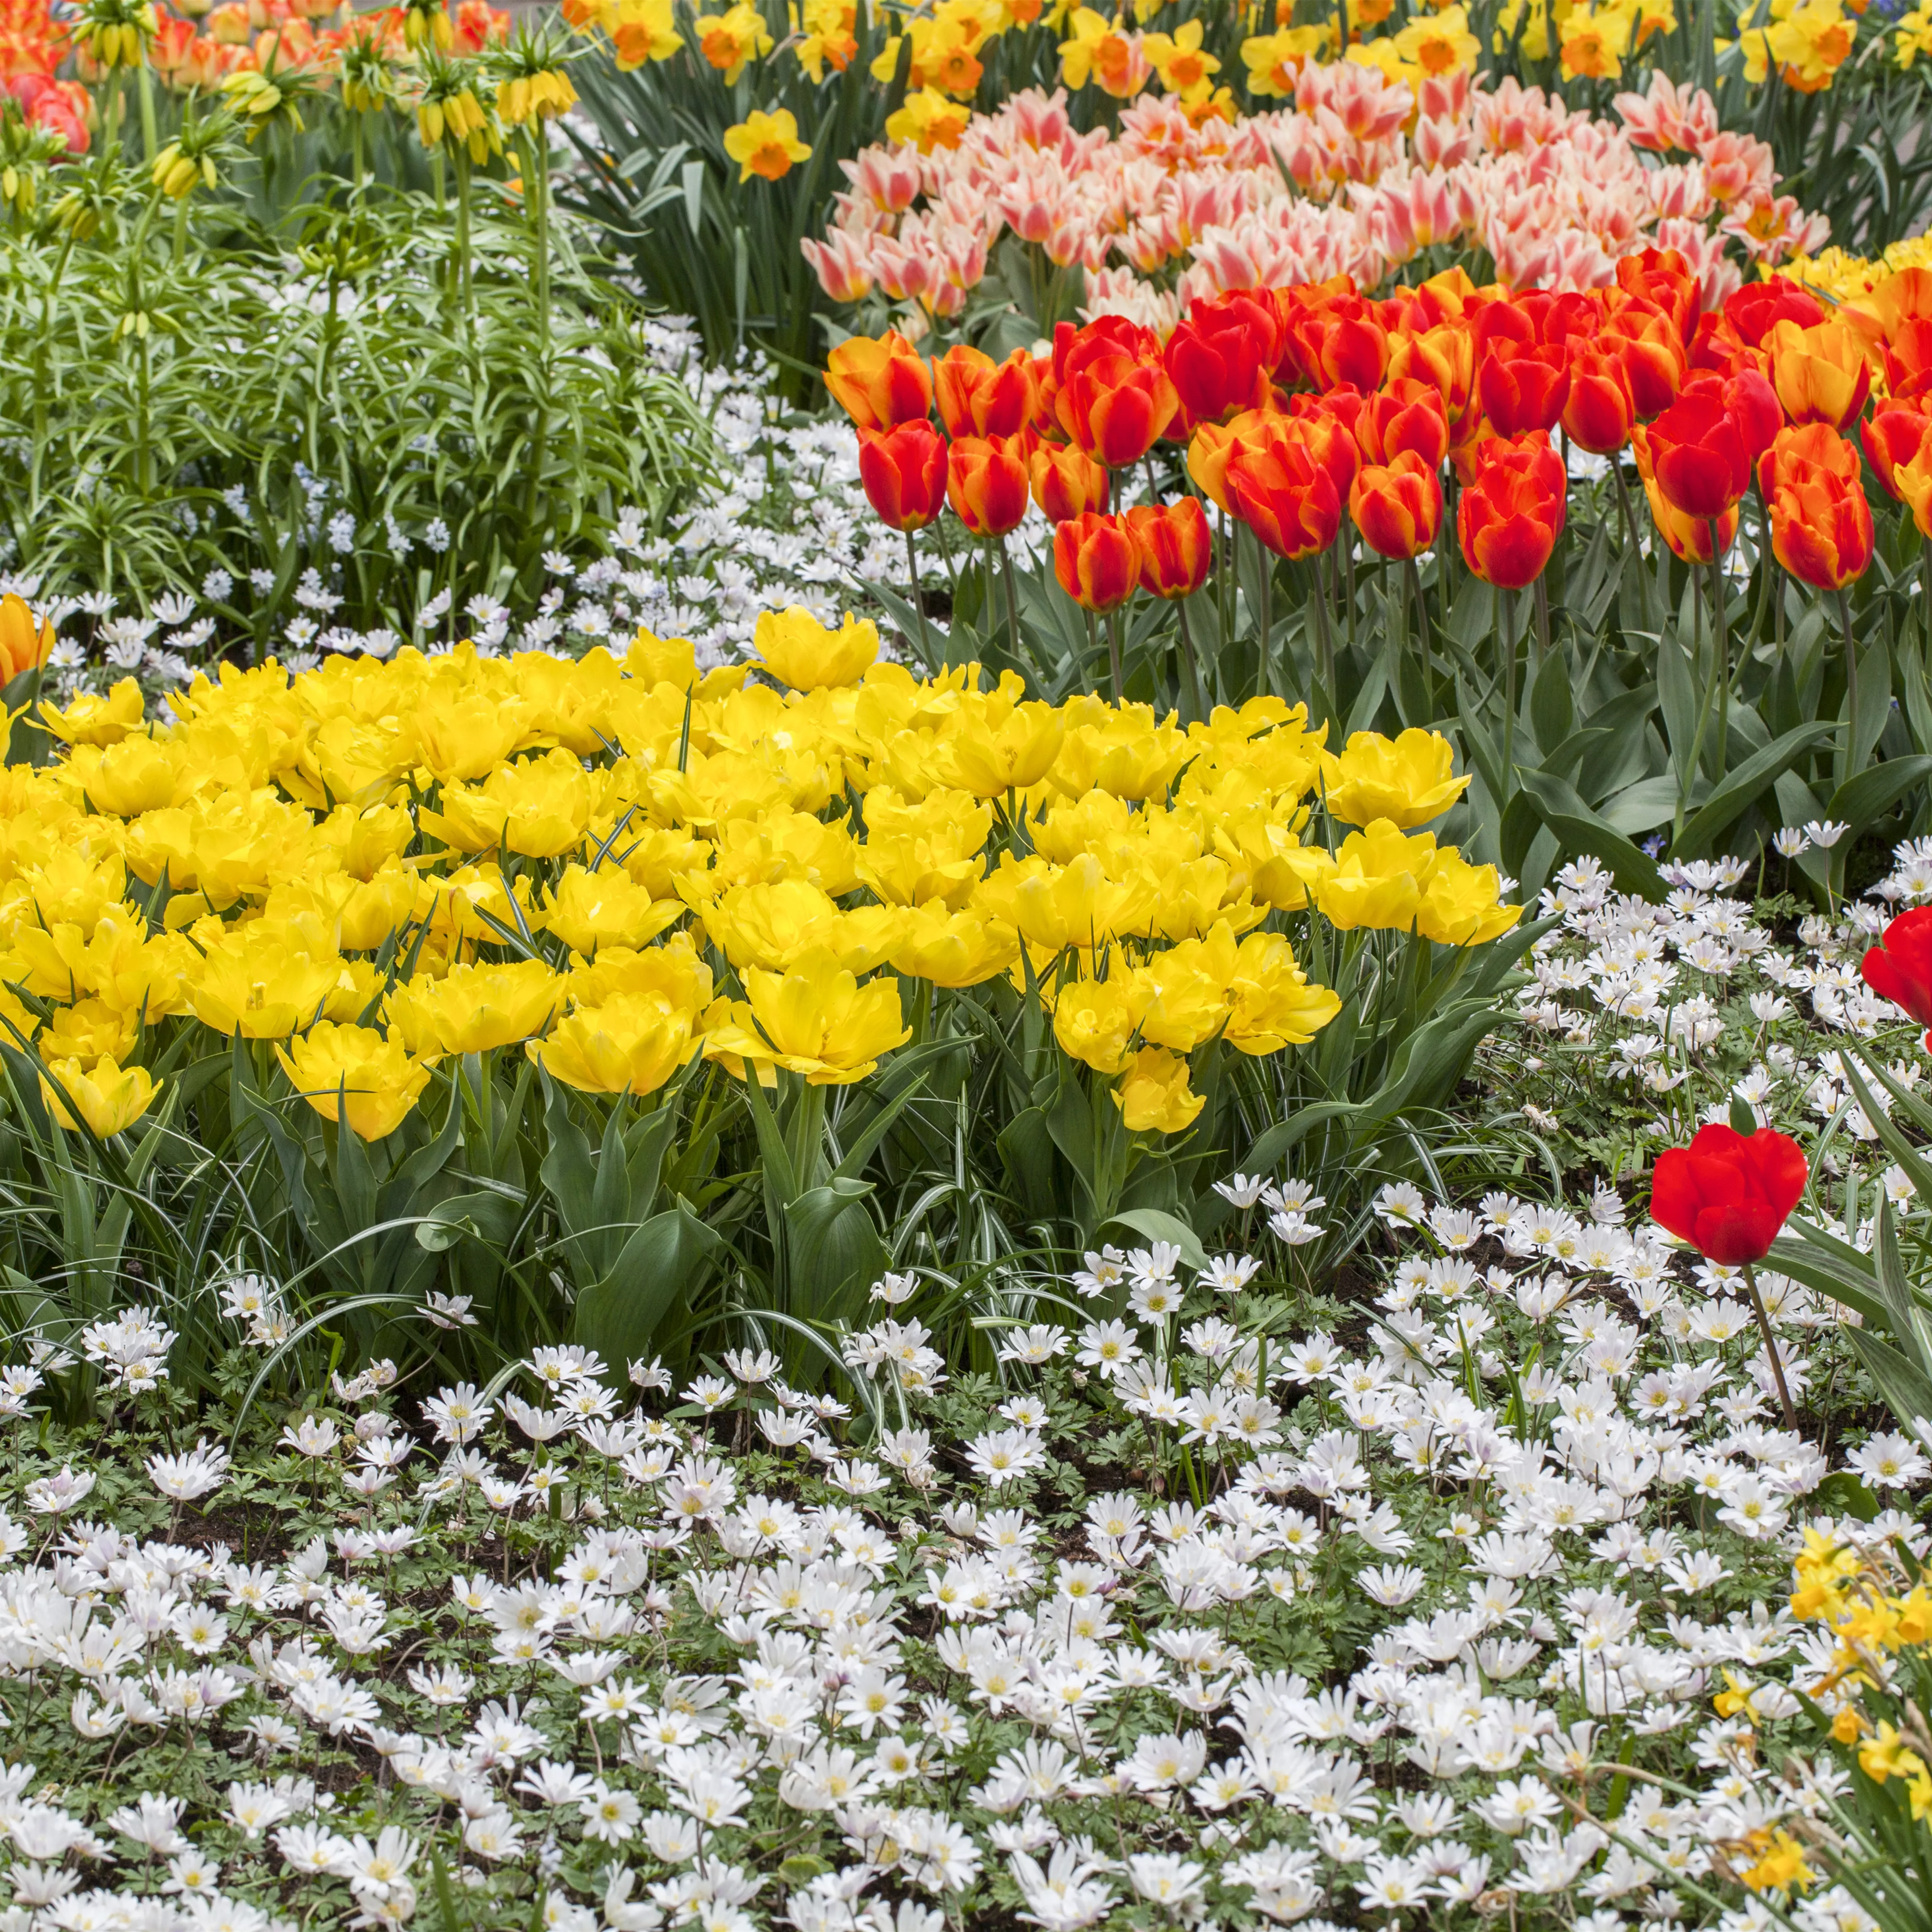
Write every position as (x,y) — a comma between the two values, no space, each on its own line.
(1898,437)
(1727,1193)
(904,473)
(986,483)
(1512,510)
(1600,412)
(1753,309)
(979,396)
(1219,356)
(1663,276)
(1175,547)
(879,384)
(1696,451)
(1097,562)
(1524,386)
(1899,967)
(1821,525)
(1114,396)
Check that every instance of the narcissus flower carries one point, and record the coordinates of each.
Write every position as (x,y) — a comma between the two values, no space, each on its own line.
(766,145)
(798,650)
(731,40)
(109,1099)
(353,1073)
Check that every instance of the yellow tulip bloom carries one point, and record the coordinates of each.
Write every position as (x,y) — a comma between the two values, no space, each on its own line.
(474,1009)
(353,1073)
(632,1044)
(1154,1096)
(815,1019)
(110,1099)
(1408,780)
(799,651)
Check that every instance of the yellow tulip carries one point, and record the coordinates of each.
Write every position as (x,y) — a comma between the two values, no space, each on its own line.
(1271,1004)
(1408,780)
(1377,879)
(1461,904)
(632,1044)
(110,1099)
(474,1009)
(1004,749)
(92,719)
(353,1073)
(672,974)
(1096,1020)
(1154,1096)
(605,907)
(268,979)
(815,1019)
(799,651)
(88,1032)
(951,948)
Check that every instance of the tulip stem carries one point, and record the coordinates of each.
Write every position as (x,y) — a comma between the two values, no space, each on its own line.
(1623,504)
(1422,633)
(1193,662)
(1114,651)
(1324,637)
(1012,606)
(1267,563)
(1721,654)
(1770,1347)
(1506,600)
(1851,679)
(918,601)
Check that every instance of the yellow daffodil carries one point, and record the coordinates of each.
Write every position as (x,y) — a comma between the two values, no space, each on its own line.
(766,145)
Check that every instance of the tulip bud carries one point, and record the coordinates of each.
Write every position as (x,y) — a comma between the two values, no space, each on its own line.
(1524,386)
(1407,414)
(1114,397)
(1278,485)
(986,483)
(1696,451)
(903,471)
(1175,547)
(1097,562)
(979,396)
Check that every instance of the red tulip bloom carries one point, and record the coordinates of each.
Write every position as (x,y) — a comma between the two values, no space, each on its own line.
(1524,386)
(1175,547)
(1512,511)
(1727,1193)
(1696,451)
(1752,310)
(1220,357)
(904,473)
(986,483)
(1899,967)
(1113,394)
(979,396)
(1821,525)
(1663,276)
(1600,412)
(879,383)
(1097,562)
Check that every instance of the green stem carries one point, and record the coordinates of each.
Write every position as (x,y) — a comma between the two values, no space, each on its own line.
(1012,603)
(918,601)
(150,146)
(1506,600)
(1770,1348)
(1193,662)
(1114,652)
(1851,681)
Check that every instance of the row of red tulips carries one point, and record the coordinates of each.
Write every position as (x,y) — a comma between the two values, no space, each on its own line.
(1298,405)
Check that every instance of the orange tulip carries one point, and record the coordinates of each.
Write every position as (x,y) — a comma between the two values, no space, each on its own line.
(1898,442)
(1821,526)
(24,645)
(979,396)
(879,384)
(1279,485)
(1512,510)
(986,483)
(1397,506)
(1097,562)
(1689,538)
(1445,356)
(1115,398)
(1065,482)
(1663,276)
(1220,356)
(1405,414)
(1338,338)
(1175,547)
(1820,373)
(1646,341)
(1212,446)
(1697,452)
